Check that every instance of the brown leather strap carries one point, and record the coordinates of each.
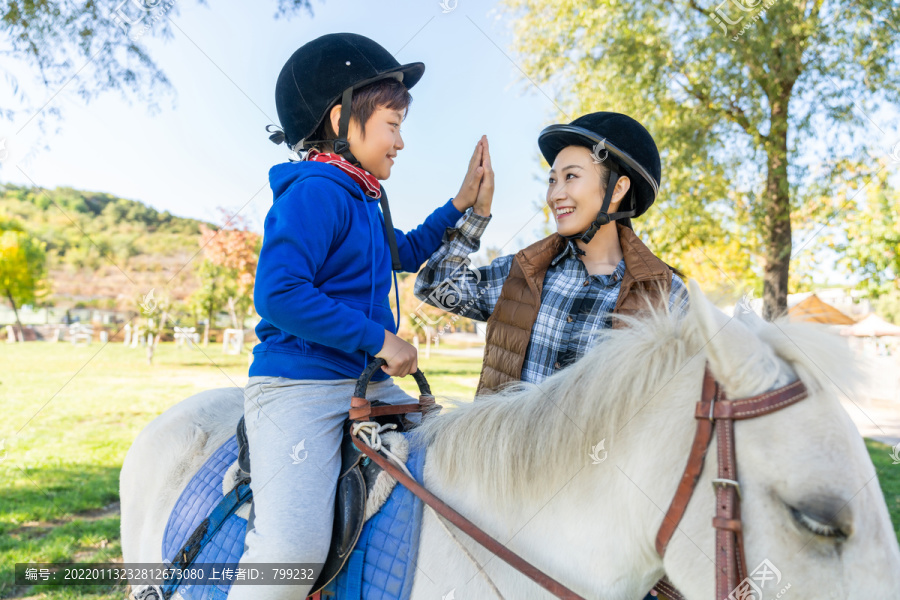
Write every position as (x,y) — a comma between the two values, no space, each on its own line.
(692,470)
(730,569)
(669,591)
(393,409)
(362,410)
(715,408)
(469,528)
(756,406)
(731,562)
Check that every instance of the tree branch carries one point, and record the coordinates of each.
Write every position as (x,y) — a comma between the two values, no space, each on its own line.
(734,112)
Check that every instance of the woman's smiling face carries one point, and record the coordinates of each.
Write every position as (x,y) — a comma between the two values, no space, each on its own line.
(575,190)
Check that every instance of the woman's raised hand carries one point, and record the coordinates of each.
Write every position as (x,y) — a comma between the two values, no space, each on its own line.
(468,191)
(486,189)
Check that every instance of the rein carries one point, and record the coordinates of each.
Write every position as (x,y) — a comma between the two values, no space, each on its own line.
(715,413)
(361,410)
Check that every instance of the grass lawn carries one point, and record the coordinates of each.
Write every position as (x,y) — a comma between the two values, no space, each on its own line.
(71,413)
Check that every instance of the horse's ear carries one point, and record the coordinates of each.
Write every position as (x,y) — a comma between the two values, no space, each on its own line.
(743,310)
(738,358)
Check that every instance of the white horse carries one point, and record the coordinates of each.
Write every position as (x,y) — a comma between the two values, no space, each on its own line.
(527,466)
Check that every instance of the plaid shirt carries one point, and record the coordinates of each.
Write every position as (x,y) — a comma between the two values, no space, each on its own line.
(574,304)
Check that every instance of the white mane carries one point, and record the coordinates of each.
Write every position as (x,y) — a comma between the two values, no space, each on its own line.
(527,438)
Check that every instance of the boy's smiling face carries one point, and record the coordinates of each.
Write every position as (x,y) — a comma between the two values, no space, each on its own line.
(378,149)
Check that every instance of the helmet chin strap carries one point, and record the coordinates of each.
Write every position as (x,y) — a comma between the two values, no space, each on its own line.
(341,144)
(342,147)
(603,217)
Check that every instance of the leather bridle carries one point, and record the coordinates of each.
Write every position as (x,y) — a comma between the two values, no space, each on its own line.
(714,413)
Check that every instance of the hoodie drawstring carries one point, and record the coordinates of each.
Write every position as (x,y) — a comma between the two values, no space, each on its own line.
(372,278)
(397,296)
(372,273)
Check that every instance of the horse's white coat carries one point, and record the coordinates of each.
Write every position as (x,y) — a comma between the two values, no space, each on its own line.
(518,465)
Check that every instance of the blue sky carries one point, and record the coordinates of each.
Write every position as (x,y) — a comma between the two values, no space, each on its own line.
(211,148)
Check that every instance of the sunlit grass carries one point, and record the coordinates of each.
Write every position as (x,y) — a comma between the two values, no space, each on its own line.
(69,415)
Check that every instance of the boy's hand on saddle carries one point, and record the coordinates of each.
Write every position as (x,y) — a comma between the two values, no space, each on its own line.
(468,191)
(400,356)
(485,195)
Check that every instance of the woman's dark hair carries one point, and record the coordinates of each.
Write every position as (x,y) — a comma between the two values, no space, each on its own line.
(604,177)
(387,93)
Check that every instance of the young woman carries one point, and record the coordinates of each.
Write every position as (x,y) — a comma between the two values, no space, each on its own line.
(543,304)
(322,288)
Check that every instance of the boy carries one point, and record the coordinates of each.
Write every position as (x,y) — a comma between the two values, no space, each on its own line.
(322,288)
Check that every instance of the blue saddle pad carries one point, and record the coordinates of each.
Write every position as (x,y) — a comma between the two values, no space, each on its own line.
(382,566)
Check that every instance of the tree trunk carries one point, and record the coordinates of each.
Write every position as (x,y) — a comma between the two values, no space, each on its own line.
(20,335)
(241,319)
(232,314)
(777,216)
(162,323)
(209,314)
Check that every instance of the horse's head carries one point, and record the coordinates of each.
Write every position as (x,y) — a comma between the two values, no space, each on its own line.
(812,505)
(577,471)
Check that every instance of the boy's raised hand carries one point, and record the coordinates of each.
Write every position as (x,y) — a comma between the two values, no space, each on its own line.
(485,195)
(468,191)
(400,356)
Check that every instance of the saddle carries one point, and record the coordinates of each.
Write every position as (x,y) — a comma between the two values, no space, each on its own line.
(358,477)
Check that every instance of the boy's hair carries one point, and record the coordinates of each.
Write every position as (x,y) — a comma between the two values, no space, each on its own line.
(387,93)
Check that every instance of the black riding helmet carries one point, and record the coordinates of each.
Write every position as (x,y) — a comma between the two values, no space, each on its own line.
(624,146)
(318,75)
(325,71)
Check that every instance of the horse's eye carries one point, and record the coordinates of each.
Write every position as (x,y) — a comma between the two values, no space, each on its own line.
(818,527)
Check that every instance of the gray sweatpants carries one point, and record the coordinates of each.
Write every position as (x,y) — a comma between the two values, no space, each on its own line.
(294,432)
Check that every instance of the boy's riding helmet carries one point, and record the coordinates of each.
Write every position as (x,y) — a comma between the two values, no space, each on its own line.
(624,146)
(325,71)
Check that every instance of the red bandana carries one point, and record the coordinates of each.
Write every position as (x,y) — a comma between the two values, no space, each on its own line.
(366,180)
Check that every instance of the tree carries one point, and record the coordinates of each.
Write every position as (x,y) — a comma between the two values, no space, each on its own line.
(211,296)
(868,238)
(733,93)
(22,268)
(100,42)
(154,307)
(235,249)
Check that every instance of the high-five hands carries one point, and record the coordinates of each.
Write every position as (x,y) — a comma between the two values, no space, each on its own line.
(477,192)
(477,189)
(485,195)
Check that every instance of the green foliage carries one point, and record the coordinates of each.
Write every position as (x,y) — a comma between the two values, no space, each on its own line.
(214,291)
(888,306)
(92,229)
(90,47)
(731,111)
(871,246)
(22,264)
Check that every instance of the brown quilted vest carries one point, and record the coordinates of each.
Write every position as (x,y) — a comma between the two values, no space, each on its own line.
(509,326)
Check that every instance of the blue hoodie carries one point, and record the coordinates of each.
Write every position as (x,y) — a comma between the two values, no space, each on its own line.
(324,274)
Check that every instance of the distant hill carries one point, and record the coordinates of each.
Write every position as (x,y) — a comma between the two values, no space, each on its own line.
(104,251)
